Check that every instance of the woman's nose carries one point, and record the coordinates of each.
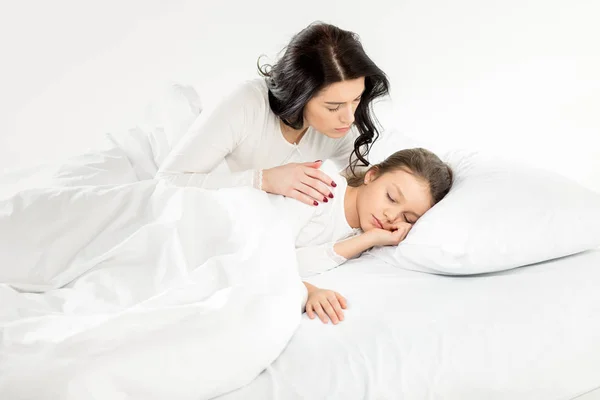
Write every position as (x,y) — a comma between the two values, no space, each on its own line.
(347,116)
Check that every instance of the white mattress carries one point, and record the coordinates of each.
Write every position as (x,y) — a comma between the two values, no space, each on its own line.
(530,333)
(592,395)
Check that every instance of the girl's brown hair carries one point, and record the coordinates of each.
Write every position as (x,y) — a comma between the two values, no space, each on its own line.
(420,162)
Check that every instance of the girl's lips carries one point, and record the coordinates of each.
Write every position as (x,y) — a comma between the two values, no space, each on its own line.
(377,223)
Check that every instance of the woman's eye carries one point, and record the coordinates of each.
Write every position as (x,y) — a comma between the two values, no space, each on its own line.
(334,109)
(390,198)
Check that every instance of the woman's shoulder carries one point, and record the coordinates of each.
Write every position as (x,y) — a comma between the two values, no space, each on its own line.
(248,101)
(252,91)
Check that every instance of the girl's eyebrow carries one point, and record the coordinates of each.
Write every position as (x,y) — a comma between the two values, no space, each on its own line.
(397,187)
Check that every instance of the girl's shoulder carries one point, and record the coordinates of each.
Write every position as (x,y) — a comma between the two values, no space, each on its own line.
(333,171)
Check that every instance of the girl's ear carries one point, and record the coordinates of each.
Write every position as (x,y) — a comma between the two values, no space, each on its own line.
(371,175)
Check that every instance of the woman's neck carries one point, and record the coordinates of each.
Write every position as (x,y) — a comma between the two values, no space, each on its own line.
(292,135)
(350,209)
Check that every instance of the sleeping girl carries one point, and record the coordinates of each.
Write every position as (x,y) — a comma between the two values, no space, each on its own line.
(373,208)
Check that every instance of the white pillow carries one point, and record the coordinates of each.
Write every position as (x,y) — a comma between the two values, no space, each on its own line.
(499,215)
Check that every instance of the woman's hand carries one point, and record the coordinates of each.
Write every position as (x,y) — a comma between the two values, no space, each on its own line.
(301,181)
(383,237)
(326,304)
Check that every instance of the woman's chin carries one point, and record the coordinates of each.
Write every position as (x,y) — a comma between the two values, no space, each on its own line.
(333,134)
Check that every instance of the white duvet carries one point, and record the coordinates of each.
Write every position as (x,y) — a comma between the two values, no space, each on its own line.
(136,290)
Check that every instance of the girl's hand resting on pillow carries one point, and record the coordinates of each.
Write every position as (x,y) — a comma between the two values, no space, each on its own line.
(326,304)
(354,246)
(383,237)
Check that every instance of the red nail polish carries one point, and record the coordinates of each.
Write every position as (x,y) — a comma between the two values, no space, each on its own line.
(315,203)
(331,195)
(333,184)
(325,199)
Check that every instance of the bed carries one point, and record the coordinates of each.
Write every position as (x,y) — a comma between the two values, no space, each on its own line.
(528,333)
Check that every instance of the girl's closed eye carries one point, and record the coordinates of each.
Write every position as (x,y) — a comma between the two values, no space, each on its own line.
(390,198)
(412,222)
(333,109)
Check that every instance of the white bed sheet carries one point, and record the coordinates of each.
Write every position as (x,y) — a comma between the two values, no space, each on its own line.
(591,395)
(530,333)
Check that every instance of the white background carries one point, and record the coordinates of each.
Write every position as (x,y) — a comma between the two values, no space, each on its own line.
(517,77)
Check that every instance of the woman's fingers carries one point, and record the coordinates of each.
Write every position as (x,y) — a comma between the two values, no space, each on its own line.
(308,185)
(302,197)
(312,193)
(322,190)
(324,179)
(314,164)
(309,311)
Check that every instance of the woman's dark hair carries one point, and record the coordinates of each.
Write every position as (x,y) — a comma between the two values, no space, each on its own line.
(316,57)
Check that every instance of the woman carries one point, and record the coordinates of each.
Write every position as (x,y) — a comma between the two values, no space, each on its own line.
(313,104)
(376,208)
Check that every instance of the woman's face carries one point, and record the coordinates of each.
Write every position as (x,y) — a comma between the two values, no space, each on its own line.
(394,197)
(331,111)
